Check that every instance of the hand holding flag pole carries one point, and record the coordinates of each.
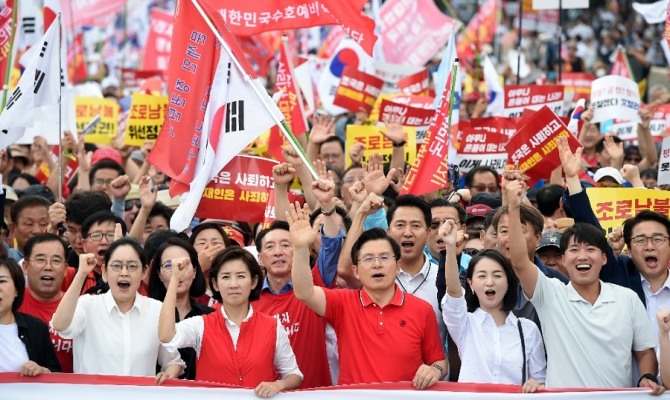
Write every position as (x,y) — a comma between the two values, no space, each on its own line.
(262,95)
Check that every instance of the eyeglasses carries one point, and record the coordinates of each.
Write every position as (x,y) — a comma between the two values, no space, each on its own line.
(656,239)
(632,159)
(470,251)
(133,203)
(102,182)
(369,259)
(167,265)
(131,266)
(42,261)
(97,236)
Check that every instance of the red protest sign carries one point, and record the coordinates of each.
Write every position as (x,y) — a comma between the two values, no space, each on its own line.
(520,97)
(159,41)
(240,192)
(417,84)
(577,85)
(134,78)
(535,146)
(69,171)
(357,90)
(484,142)
(411,116)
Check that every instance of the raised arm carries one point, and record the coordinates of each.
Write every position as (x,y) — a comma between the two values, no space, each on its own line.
(62,318)
(283,176)
(395,134)
(322,129)
(646,141)
(166,321)
(663,318)
(525,270)
(449,233)
(302,237)
(147,201)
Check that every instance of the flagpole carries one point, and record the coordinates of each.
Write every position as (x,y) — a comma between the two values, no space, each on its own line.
(518,46)
(60,111)
(10,60)
(454,78)
(298,94)
(283,127)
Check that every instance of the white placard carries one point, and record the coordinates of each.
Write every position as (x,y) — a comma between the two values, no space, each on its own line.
(664,163)
(564,4)
(614,96)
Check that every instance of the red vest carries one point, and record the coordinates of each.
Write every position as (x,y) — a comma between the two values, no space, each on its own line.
(248,365)
(306,332)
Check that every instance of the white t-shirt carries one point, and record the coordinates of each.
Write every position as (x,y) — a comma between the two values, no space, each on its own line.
(13,353)
(590,345)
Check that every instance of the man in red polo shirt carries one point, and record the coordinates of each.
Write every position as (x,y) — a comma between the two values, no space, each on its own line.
(384,334)
(45,264)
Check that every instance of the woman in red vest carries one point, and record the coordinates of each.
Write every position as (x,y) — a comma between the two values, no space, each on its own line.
(235,345)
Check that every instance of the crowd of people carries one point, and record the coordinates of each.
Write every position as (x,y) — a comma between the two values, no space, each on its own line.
(487,280)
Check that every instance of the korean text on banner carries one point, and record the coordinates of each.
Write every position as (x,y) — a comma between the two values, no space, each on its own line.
(614,96)
(411,116)
(577,85)
(376,143)
(416,84)
(159,41)
(535,145)
(484,142)
(612,206)
(413,30)
(534,97)
(240,192)
(357,90)
(664,163)
(145,120)
(87,108)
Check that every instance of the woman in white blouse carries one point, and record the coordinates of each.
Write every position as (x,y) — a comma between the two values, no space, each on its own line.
(115,333)
(494,345)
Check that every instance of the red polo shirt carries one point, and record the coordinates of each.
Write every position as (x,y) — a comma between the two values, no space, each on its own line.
(382,344)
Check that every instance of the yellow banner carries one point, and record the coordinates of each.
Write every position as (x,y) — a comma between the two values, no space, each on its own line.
(375,142)
(147,113)
(613,206)
(87,108)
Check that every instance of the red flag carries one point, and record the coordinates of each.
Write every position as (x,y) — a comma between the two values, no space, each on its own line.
(51,10)
(258,51)
(667,26)
(480,31)
(621,66)
(190,74)
(250,17)
(76,66)
(7,25)
(430,169)
(290,103)
(159,41)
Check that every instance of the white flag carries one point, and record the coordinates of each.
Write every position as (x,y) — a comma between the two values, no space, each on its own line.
(235,117)
(35,89)
(496,95)
(654,13)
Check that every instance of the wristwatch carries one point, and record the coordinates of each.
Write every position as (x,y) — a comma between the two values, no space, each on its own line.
(400,144)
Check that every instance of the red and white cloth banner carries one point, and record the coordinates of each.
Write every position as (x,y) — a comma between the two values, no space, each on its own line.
(357,90)
(102,387)
(413,30)
(534,97)
(89,12)
(159,40)
(247,18)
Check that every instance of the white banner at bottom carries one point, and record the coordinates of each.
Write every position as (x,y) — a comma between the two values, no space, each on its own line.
(98,387)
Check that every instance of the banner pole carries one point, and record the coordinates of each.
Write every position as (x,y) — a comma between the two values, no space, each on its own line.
(518,46)
(60,109)
(454,78)
(281,123)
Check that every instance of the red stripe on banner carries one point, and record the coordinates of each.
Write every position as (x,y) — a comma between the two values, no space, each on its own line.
(81,379)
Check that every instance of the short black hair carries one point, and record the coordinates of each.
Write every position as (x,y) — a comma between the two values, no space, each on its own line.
(236,253)
(16,273)
(209,225)
(442,202)
(160,209)
(643,216)
(584,233)
(332,139)
(26,176)
(43,238)
(549,199)
(27,202)
(370,235)
(488,220)
(283,225)
(157,289)
(530,216)
(339,210)
(105,163)
(156,239)
(649,173)
(126,241)
(512,293)
(84,203)
(100,217)
(409,200)
(470,176)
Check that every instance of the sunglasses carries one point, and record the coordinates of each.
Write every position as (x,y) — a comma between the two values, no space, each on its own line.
(133,203)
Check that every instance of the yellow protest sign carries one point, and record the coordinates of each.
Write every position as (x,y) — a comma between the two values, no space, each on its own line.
(87,108)
(145,119)
(376,143)
(613,206)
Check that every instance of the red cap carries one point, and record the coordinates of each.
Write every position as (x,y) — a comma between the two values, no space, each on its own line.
(478,210)
(106,153)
